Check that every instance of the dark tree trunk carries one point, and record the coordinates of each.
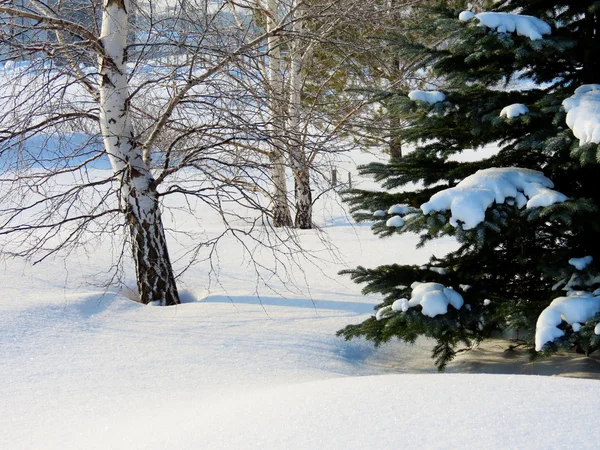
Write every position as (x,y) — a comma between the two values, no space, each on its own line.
(303,219)
(154,274)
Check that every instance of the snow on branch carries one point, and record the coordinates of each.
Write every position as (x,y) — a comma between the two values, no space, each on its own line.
(514,110)
(583,113)
(581,263)
(469,199)
(575,309)
(429,97)
(528,26)
(434,299)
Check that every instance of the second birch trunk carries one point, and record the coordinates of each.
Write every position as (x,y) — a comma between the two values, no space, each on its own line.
(280,208)
(299,161)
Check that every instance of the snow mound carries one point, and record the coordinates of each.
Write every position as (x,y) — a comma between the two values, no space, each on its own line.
(470,198)
(465,16)
(399,209)
(583,113)
(528,26)
(578,307)
(581,263)
(514,110)
(434,298)
(395,221)
(429,97)
(379,213)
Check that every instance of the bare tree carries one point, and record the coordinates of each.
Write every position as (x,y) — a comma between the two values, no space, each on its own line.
(281,214)
(169,108)
(178,98)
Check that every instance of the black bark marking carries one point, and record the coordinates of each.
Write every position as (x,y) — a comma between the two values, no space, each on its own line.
(118,3)
(105,81)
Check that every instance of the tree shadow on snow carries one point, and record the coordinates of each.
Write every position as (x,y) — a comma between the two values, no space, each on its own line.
(355,307)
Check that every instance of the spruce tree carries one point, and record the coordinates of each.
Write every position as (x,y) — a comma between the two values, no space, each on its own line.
(513,264)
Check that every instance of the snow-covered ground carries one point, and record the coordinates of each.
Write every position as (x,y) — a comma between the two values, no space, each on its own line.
(256,364)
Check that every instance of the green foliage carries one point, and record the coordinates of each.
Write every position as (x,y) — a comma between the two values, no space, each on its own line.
(516,259)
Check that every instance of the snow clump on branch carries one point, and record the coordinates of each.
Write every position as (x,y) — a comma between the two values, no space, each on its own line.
(577,308)
(514,110)
(429,97)
(395,221)
(434,299)
(583,113)
(528,26)
(581,263)
(469,199)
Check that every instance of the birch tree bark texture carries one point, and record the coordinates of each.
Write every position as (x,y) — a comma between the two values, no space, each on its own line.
(298,157)
(139,196)
(280,208)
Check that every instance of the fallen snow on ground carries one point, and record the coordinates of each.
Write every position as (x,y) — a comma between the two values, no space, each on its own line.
(469,199)
(251,364)
(583,113)
(528,26)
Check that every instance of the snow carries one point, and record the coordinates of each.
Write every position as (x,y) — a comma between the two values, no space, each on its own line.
(469,199)
(581,263)
(379,213)
(400,209)
(578,307)
(243,365)
(395,221)
(597,329)
(400,305)
(576,327)
(429,97)
(434,298)
(514,110)
(465,16)
(528,26)
(583,113)
(487,302)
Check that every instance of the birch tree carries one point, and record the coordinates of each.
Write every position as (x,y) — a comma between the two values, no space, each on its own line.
(281,213)
(154,273)
(186,111)
(298,159)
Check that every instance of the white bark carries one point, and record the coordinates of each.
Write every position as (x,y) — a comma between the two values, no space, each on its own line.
(281,213)
(138,188)
(298,159)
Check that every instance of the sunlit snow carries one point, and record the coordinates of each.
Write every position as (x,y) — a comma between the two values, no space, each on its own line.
(528,26)
(583,113)
(434,299)
(514,110)
(469,199)
(429,97)
(400,209)
(395,221)
(578,307)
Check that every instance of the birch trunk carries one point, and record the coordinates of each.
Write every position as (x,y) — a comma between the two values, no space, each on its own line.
(139,197)
(281,212)
(298,159)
